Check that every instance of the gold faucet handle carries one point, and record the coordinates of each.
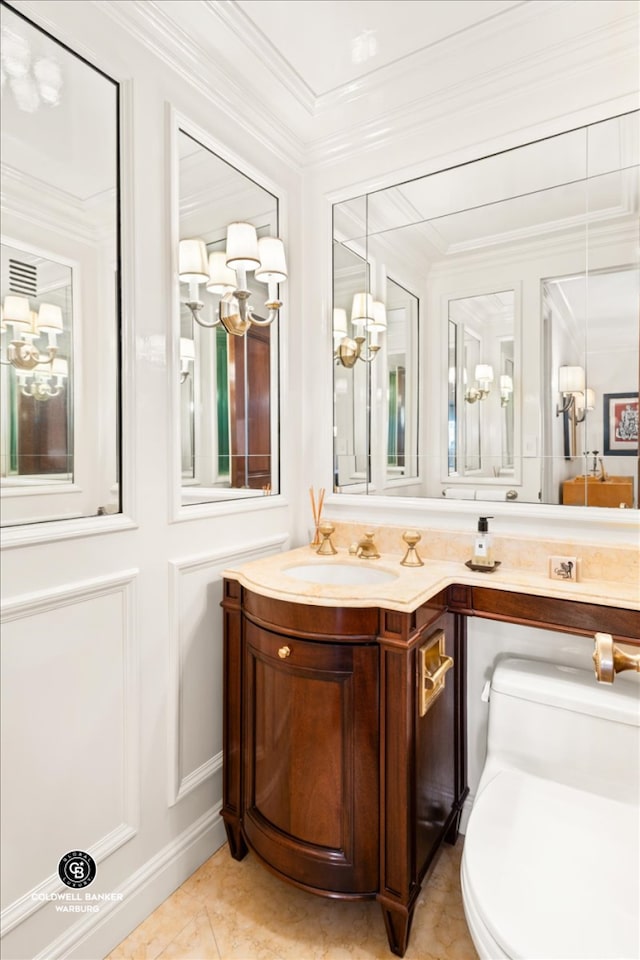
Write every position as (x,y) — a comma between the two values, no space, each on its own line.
(411,557)
(326,548)
(367,548)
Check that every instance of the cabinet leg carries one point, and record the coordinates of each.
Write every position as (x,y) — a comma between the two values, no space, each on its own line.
(397,920)
(236,841)
(452,833)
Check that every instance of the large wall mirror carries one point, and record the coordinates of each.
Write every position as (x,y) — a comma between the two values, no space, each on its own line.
(59,280)
(229,437)
(524,267)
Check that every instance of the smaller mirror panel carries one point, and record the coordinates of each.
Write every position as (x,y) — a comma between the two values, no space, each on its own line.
(482,331)
(37,403)
(229,434)
(351,385)
(376,385)
(401,346)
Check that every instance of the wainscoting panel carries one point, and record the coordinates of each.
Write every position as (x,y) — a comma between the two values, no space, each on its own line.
(69,733)
(195,747)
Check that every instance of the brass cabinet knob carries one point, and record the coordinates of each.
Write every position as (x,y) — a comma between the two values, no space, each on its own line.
(284,652)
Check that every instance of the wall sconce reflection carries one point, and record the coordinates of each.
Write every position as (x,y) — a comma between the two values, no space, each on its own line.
(583,402)
(28,326)
(369,317)
(506,389)
(484,379)
(44,381)
(571,383)
(187,357)
(225,274)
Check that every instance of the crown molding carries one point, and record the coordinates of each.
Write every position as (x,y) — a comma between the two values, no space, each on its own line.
(247,78)
(218,82)
(260,47)
(498,86)
(44,205)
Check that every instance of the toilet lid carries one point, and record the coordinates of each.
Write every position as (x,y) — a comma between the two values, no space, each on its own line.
(553,871)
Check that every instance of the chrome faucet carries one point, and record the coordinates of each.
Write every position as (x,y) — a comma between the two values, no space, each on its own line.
(366,548)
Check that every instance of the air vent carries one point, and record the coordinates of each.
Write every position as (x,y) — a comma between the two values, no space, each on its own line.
(22,278)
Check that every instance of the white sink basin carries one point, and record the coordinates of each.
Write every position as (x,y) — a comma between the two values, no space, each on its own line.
(340,574)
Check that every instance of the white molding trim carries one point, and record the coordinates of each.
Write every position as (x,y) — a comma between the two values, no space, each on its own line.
(36,898)
(181,783)
(45,206)
(199,775)
(43,601)
(39,602)
(166,870)
(162,35)
(128,275)
(34,534)
(260,47)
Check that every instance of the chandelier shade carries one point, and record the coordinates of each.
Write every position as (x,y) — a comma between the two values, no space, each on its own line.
(273,266)
(193,261)
(222,279)
(242,246)
(16,310)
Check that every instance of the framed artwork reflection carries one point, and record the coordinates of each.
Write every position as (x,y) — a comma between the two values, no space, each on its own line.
(621,424)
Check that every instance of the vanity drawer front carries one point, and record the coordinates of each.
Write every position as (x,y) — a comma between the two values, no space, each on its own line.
(313,622)
(552,614)
(311,763)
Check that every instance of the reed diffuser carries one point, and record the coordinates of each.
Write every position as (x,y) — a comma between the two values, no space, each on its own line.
(316,510)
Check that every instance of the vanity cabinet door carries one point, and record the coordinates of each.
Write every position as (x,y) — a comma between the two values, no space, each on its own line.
(311,760)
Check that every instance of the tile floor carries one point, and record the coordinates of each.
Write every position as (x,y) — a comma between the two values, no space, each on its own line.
(239,911)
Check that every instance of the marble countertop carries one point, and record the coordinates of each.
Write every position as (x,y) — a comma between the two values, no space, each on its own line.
(412,586)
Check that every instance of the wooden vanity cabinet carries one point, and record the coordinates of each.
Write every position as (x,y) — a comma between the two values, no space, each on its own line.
(331,776)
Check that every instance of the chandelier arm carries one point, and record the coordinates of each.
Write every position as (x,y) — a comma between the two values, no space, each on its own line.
(29,358)
(195,307)
(262,321)
(370,356)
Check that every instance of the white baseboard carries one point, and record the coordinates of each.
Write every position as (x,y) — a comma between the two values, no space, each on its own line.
(97,934)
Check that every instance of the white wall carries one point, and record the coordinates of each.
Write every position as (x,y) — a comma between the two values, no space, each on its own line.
(112,630)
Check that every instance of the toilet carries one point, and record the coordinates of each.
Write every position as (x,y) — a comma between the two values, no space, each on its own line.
(551,860)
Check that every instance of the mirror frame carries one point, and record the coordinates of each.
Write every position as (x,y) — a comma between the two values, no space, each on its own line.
(176,123)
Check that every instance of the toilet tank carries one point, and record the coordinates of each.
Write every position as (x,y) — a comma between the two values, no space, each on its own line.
(558,722)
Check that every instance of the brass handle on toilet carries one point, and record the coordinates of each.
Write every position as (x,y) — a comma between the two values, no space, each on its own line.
(433,664)
(609,659)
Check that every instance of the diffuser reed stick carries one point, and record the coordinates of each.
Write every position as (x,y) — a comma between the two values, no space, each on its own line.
(316,510)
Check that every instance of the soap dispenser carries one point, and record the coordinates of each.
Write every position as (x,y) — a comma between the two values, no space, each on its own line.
(483,547)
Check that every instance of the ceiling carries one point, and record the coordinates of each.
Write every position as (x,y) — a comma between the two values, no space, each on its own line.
(332,43)
(320,80)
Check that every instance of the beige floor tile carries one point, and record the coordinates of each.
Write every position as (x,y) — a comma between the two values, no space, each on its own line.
(229,910)
(159,929)
(195,942)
